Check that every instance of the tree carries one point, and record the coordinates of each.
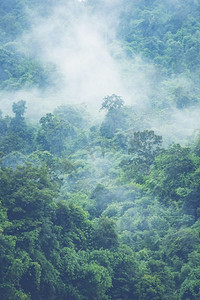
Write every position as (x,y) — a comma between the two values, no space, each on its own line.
(115,117)
(190,288)
(112,103)
(150,287)
(174,177)
(95,282)
(19,108)
(101,197)
(143,148)
(18,136)
(27,193)
(75,115)
(52,134)
(181,243)
(74,225)
(125,274)
(105,234)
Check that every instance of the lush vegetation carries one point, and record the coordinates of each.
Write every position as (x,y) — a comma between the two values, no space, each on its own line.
(102,210)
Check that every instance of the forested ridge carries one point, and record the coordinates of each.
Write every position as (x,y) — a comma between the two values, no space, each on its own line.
(102,206)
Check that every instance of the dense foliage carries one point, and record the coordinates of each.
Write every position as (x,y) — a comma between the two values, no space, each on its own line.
(101,210)
(115,218)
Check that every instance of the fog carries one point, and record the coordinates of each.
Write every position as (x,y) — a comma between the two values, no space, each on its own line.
(76,42)
(90,64)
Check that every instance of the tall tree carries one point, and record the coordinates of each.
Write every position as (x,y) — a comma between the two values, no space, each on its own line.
(115,117)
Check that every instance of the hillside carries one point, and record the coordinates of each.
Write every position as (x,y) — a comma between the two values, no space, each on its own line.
(100,164)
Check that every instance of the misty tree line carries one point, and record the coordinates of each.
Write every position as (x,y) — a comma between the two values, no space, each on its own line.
(164,34)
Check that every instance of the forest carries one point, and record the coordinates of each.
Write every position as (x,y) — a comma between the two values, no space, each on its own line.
(99,150)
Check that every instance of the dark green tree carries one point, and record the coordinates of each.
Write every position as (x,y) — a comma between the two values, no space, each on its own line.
(19,136)
(105,234)
(115,116)
(143,148)
(52,136)
(174,177)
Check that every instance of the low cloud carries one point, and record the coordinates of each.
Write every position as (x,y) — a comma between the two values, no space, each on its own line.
(90,64)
